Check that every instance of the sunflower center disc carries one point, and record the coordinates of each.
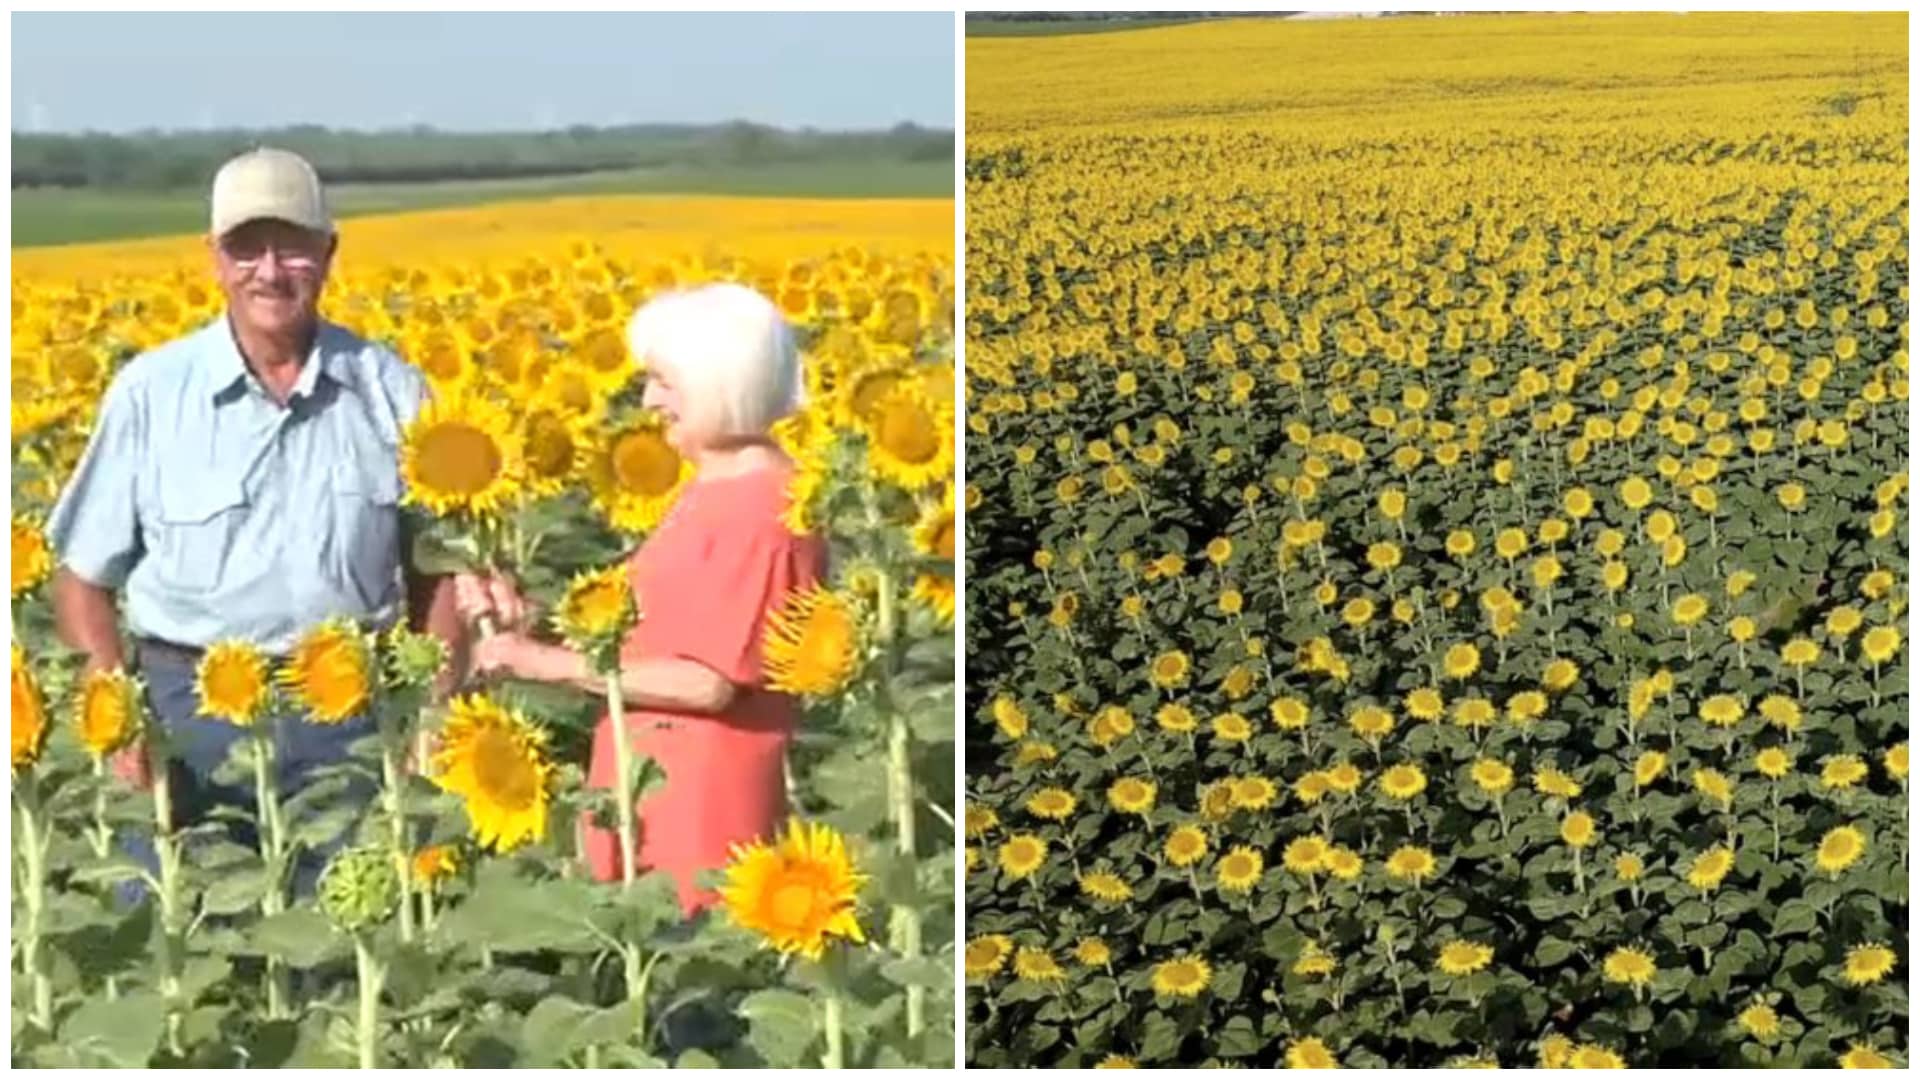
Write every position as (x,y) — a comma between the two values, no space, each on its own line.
(459,459)
(906,431)
(645,465)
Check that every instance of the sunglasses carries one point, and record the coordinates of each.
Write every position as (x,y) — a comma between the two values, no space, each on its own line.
(249,254)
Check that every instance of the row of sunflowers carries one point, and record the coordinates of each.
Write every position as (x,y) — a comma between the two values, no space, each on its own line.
(1436,552)
(455,925)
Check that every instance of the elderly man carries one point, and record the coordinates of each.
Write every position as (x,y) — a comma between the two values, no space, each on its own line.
(243,483)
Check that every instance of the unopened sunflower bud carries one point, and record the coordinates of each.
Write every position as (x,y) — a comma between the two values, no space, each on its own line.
(360,888)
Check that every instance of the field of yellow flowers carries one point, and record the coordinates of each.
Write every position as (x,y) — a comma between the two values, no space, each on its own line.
(1436,514)
(457,928)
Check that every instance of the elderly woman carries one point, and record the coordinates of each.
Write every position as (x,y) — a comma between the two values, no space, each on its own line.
(721,369)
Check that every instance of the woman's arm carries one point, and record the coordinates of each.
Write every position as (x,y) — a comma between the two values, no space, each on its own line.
(667,683)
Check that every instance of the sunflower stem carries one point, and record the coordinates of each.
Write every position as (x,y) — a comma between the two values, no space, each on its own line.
(906,925)
(370,975)
(167,847)
(273,900)
(34,854)
(623,778)
(390,750)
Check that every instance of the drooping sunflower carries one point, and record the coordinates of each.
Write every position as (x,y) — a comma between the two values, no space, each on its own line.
(1182,977)
(109,715)
(29,719)
(461,455)
(910,440)
(813,643)
(233,683)
(496,760)
(634,474)
(597,609)
(329,674)
(799,893)
(32,558)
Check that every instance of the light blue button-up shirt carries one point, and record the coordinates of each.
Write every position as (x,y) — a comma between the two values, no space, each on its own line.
(223,514)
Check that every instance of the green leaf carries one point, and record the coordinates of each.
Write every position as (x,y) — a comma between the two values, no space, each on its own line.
(1552,951)
(1237,1038)
(235,891)
(780,1025)
(918,971)
(547,1033)
(121,1033)
(1795,917)
(302,937)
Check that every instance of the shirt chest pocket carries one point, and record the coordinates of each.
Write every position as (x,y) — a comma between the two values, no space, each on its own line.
(365,531)
(199,521)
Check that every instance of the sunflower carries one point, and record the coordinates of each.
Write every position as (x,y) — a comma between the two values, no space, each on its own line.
(1722,710)
(1773,762)
(1169,669)
(1411,863)
(597,610)
(1710,867)
(1037,965)
(29,714)
(496,760)
(1464,957)
(634,474)
(1461,661)
(1555,1050)
(1185,845)
(1492,777)
(799,893)
(910,439)
(1342,863)
(1403,782)
(1239,870)
(1760,1020)
(1131,795)
(1879,644)
(461,455)
(32,558)
(329,674)
(1425,703)
(1840,848)
(1649,767)
(232,683)
(1305,855)
(1895,761)
(986,955)
(1842,771)
(1184,977)
(1630,966)
(979,820)
(1629,867)
(1253,792)
(553,447)
(1868,964)
(1578,829)
(1110,887)
(812,645)
(1022,854)
(1093,952)
(1310,1053)
(934,534)
(1862,1056)
(935,592)
(434,864)
(1595,1057)
(1053,804)
(1116,1061)
(109,715)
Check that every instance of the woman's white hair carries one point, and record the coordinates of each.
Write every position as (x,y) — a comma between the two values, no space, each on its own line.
(728,350)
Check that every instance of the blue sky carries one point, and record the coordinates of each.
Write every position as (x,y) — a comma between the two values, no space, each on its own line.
(479,71)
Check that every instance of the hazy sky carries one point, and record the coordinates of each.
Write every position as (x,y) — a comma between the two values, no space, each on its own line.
(479,71)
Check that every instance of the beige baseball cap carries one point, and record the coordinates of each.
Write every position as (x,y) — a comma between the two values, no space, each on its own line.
(269,183)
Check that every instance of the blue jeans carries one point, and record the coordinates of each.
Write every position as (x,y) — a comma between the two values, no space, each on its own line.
(197,745)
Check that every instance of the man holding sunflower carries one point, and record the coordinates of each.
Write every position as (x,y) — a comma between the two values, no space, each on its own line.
(241,484)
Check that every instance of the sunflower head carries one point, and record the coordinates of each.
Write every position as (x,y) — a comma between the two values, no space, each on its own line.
(330,673)
(798,894)
(934,533)
(597,611)
(910,439)
(32,558)
(496,760)
(109,714)
(432,865)
(635,474)
(813,643)
(233,684)
(461,455)
(360,888)
(29,714)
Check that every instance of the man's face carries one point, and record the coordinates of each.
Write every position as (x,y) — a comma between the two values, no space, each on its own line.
(272,273)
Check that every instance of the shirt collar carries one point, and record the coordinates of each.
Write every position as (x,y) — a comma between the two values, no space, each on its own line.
(227,372)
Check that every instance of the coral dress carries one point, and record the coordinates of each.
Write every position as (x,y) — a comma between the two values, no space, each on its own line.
(706,580)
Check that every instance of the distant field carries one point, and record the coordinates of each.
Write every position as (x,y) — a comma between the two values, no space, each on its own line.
(1049,28)
(58,216)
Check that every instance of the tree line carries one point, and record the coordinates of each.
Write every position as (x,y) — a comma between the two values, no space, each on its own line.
(166,160)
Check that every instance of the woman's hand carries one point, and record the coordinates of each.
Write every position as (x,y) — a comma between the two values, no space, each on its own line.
(508,652)
(482,596)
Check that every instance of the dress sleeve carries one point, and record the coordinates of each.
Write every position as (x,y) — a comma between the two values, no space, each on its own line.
(715,612)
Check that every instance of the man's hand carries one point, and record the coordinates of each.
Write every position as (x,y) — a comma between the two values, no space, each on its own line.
(489,596)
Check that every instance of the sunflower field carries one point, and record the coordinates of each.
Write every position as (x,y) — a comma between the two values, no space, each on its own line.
(452,922)
(1436,561)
